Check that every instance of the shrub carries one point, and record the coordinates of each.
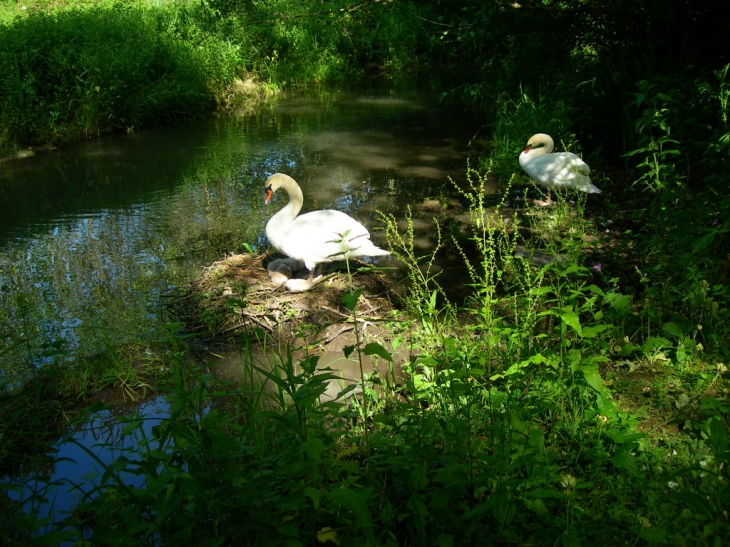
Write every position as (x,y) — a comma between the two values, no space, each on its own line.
(88,71)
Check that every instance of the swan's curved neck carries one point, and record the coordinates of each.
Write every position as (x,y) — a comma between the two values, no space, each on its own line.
(291,209)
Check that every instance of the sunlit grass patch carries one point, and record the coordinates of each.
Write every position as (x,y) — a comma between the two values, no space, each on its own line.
(129,65)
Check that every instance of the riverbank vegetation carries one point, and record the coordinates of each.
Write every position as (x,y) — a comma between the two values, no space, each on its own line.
(544,407)
(71,70)
(580,400)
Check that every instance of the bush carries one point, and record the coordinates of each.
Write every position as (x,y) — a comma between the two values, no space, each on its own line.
(88,71)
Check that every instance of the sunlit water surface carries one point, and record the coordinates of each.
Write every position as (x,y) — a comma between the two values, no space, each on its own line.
(91,236)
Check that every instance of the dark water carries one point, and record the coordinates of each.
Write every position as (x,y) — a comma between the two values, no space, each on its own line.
(92,235)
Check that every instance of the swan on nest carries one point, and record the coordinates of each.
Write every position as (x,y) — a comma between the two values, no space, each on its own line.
(316,237)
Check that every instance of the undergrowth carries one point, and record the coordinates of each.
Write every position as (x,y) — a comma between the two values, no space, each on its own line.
(514,426)
(560,403)
(83,72)
(566,402)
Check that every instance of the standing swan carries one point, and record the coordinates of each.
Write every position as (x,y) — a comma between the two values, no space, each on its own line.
(560,169)
(315,237)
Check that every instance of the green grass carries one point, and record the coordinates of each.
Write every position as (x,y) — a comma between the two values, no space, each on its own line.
(82,72)
(71,70)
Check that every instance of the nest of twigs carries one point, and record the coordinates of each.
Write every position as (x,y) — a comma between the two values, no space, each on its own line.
(235,295)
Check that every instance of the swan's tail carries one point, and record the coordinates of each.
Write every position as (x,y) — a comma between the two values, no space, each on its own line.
(365,250)
(360,245)
(373,250)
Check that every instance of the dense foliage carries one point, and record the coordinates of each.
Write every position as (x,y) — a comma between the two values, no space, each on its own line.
(542,420)
(89,68)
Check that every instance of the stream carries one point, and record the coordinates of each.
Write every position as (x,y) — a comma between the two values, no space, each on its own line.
(93,235)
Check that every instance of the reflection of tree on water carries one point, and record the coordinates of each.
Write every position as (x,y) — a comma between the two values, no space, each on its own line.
(100,231)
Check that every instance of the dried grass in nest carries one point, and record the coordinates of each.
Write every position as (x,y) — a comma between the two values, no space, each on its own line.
(235,295)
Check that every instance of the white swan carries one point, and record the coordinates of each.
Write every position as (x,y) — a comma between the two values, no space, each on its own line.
(315,237)
(560,169)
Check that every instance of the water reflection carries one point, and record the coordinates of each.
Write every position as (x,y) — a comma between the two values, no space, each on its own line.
(236,368)
(90,236)
(82,459)
(125,433)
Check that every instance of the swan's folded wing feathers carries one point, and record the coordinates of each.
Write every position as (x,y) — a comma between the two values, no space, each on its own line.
(318,236)
(558,169)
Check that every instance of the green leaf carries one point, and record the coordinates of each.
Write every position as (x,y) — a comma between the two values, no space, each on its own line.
(653,535)
(571,319)
(516,367)
(628,348)
(623,437)
(384,419)
(347,351)
(623,459)
(573,269)
(655,342)
(327,534)
(315,495)
(313,448)
(592,377)
(605,405)
(349,299)
(698,503)
(538,506)
(596,290)
(432,302)
(354,502)
(594,330)
(620,302)
(718,437)
(703,242)
(681,401)
(685,349)
(673,329)
(376,349)
(131,426)
(484,507)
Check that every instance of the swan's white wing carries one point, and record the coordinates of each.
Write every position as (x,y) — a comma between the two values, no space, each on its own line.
(324,236)
(560,169)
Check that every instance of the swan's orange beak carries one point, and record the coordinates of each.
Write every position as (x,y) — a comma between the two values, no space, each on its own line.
(529,147)
(269,193)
